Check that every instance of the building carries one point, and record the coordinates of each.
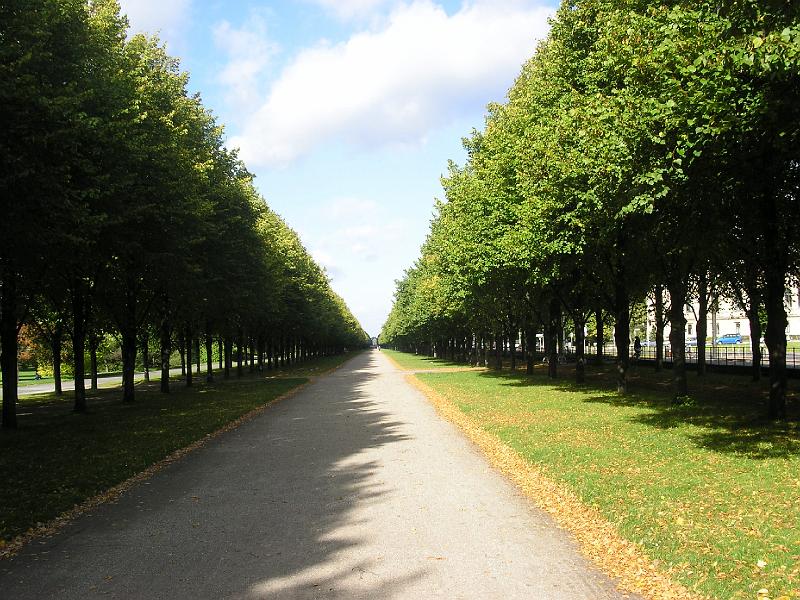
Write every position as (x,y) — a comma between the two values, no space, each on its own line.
(728,319)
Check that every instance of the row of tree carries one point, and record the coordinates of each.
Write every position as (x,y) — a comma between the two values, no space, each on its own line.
(123,211)
(648,148)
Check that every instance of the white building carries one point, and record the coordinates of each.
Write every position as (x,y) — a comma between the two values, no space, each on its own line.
(728,318)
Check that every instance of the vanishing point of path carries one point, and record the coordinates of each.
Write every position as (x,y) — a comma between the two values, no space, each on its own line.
(354,488)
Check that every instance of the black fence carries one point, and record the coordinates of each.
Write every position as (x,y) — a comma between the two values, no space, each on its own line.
(716,355)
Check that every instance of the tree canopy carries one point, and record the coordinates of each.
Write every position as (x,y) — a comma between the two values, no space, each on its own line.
(123,210)
(644,147)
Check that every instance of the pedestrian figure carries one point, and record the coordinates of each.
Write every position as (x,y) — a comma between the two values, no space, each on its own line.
(637,347)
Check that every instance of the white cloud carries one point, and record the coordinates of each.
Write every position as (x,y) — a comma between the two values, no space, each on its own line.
(349,207)
(420,71)
(152,16)
(249,51)
(350,9)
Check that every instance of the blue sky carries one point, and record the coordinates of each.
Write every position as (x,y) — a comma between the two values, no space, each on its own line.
(347,111)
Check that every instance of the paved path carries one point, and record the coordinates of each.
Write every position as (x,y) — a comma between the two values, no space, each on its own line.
(354,488)
(103,382)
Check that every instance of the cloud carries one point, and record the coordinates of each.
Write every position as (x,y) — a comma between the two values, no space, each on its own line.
(327,262)
(355,231)
(152,16)
(248,51)
(350,9)
(343,208)
(421,70)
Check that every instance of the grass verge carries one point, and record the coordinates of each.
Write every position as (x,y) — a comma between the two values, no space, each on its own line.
(419,362)
(58,459)
(708,492)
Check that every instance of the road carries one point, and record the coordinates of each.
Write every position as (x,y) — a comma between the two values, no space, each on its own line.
(353,488)
(104,381)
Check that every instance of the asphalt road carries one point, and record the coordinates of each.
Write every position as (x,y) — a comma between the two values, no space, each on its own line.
(354,488)
(104,381)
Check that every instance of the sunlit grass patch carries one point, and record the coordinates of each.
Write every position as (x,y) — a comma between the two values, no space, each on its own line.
(421,362)
(710,490)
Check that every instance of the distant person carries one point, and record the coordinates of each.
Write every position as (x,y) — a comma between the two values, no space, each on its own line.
(637,347)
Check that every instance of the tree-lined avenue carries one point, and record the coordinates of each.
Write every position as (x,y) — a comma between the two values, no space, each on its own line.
(353,488)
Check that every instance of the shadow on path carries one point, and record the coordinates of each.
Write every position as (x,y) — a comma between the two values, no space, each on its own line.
(267,510)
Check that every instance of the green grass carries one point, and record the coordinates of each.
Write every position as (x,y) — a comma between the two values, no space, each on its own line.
(414,362)
(28,377)
(708,489)
(57,458)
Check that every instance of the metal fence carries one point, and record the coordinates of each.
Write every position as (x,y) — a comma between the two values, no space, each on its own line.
(719,354)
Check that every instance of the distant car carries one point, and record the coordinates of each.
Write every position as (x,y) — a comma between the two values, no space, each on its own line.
(648,343)
(730,338)
(691,340)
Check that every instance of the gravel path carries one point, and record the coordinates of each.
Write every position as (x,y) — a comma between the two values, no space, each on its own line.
(354,488)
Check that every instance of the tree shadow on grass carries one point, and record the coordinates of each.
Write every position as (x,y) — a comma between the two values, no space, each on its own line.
(726,410)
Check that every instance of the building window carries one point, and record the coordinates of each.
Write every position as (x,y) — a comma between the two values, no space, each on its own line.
(738,327)
(689,328)
(788,298)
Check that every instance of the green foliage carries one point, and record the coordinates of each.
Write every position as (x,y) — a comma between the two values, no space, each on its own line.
(643,143)
(123,212)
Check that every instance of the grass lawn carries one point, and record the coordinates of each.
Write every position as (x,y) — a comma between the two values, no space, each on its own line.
(710,490)
(57,459)
(28,377)
(416,362)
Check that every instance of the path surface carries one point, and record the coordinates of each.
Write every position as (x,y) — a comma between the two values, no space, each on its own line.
(354,488)
(103,382)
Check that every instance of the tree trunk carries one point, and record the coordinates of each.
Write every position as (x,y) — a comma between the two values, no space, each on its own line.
(55,347)
(94,341)
(580,350)
(512,343)
(702,293)
(228,353)
(551,337)
(622,334)
(677,337)
(165,335)
(659,294)
(252,357)
(601,338)
(239,366)
(9,346)
(188,337)
(182,352)
(530,348)
(198,359)
(775,338)
(775,269)
(753,306)
(79,346)
(128,358)
(209,354)
(146,355)
(221,351)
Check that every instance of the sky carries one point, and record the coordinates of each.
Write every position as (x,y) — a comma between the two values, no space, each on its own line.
(348,111)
